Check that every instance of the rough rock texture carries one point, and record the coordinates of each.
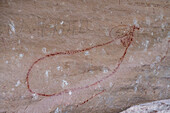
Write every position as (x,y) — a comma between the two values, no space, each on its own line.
(162,106)
(31,29)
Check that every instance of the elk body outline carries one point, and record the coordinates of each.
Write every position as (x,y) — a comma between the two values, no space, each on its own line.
(126,40)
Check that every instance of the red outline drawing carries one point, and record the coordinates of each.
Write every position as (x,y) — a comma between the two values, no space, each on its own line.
(126,40)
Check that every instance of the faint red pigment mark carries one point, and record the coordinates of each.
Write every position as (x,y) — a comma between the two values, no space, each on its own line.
(126,40)
(165,52)
(90,98)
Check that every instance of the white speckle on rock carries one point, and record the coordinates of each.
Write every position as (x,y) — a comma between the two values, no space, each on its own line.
(135,21)
(12,26)
(161,16)
(156,19)
(19,11)
(141,62)
(57,110)
(65,83)
(149,53)
(136,88)
(86,53)
(99,86)
(146,45)
(158,58)
(26,48)
(154,71)
(159,67)
(137,11)
(62,22)
(105,70)
(148,21)
(21,55)
(60,31)
(79,24)
(103,51)
(52,26)
(91,71)
(3,93)
(23,96)
(152,65)
(70,93)
(137,83)
(110,84)
(32,37)
(19,41)
(44,50)
(106,32)
(158,39)
(6,61)
(13,48)
(47,73)
(41,23)
(141,30)
(139,78)
(109,102)
(147,42)
(18,83)
(168,86)
(12,89)
(35,96)
(58,68)
(162,26)
(130,58)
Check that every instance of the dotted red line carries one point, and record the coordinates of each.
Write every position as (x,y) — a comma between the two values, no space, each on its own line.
(90,98)
(128,35)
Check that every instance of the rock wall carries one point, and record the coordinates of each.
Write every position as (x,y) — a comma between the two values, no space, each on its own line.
(83,55)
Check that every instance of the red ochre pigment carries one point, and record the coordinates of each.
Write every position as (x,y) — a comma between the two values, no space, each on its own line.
(126,40)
